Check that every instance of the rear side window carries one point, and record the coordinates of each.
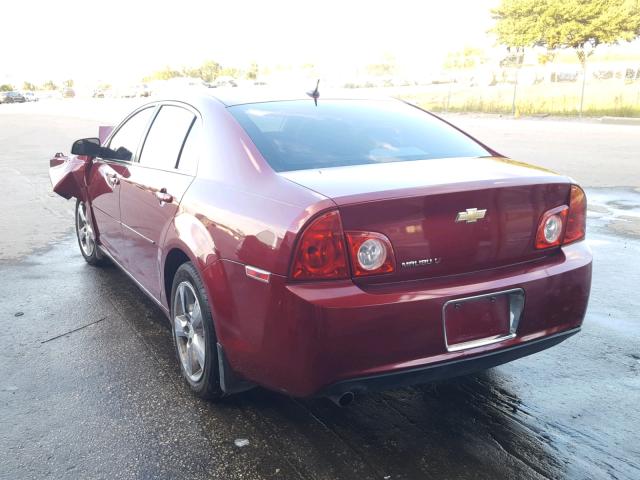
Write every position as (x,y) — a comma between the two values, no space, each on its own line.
(124,143)
(297,135)
(166,137)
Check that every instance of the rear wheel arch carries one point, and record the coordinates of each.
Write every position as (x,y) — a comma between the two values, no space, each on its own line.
(186,240)
(190,241)
(175,257)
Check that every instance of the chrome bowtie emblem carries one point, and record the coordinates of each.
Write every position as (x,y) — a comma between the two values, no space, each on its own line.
(471,215)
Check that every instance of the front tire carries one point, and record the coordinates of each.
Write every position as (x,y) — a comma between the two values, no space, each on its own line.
(86,236)
(194,335)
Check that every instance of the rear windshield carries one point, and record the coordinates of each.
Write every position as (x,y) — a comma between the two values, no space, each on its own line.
(297,135)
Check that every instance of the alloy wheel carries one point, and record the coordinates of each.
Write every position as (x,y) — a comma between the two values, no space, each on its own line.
(85,232)
(188,328)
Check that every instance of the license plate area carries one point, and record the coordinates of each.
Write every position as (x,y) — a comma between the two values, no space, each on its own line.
(482,319)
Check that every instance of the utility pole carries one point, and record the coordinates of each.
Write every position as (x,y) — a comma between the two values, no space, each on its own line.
(584,79)
(519,60)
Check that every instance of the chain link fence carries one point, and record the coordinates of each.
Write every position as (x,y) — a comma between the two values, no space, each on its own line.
(607,92)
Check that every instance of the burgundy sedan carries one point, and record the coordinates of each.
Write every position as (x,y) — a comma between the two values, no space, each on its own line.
(331,248)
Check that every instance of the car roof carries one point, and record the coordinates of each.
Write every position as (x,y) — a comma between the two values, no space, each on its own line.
(227,97)
(230,96)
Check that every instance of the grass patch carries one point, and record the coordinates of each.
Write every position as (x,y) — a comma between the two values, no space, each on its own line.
(602,98)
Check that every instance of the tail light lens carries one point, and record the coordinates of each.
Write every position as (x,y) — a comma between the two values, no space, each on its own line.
(577,218)
(320,254)
(563,225)
(551,227)
(371,253)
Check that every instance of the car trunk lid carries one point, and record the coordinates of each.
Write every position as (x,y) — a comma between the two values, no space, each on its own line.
(444,217)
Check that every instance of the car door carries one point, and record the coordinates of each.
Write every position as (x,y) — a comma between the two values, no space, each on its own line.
(106,174)
(151,193)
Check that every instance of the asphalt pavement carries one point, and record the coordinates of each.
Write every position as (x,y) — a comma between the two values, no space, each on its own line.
(90,388)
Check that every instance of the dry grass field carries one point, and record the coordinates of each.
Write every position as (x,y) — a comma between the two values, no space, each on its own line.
(602,97)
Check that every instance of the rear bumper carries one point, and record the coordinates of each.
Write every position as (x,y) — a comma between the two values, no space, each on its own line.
(442,371)
(327,337)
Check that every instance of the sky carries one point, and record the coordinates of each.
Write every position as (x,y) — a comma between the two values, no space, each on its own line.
(121,41)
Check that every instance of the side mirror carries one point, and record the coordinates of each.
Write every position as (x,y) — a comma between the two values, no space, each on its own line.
(87,146)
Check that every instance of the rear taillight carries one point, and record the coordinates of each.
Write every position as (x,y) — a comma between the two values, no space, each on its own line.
(564,224)
(320,253)
(577,218)
(551,227)
(371,253)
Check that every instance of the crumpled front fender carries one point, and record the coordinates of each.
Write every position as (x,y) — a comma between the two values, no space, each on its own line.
(67,175)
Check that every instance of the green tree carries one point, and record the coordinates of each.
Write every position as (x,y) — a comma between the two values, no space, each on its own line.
(49,85)
(252,73)
(519,22)
(190,72)
(517,27)
(210,70)
(580,25)
(164,74)
(380,69)
(230,72)
(6,87)
(68,83)
(469,57)
(28,86)
(385,68)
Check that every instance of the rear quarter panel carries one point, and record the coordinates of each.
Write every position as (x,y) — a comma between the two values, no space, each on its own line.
(251,214)
(237,212)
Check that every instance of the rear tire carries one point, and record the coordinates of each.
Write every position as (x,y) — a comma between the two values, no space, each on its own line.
(85,234)
(193,333)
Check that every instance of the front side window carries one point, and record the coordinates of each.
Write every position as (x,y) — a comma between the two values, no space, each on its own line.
(298,135)
(165,139)
(124,143)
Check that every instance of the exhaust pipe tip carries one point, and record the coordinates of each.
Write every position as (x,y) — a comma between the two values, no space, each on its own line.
(343,400)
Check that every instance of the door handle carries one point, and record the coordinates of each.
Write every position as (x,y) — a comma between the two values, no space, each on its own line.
(113,179)
(164,197)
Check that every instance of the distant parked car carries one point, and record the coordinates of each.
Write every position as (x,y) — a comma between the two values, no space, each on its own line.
(68,92)
(127,92)
(224,82)
(143,90)
(564,76)
(98,93)
(12,97)
(30,97)
(48,94)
